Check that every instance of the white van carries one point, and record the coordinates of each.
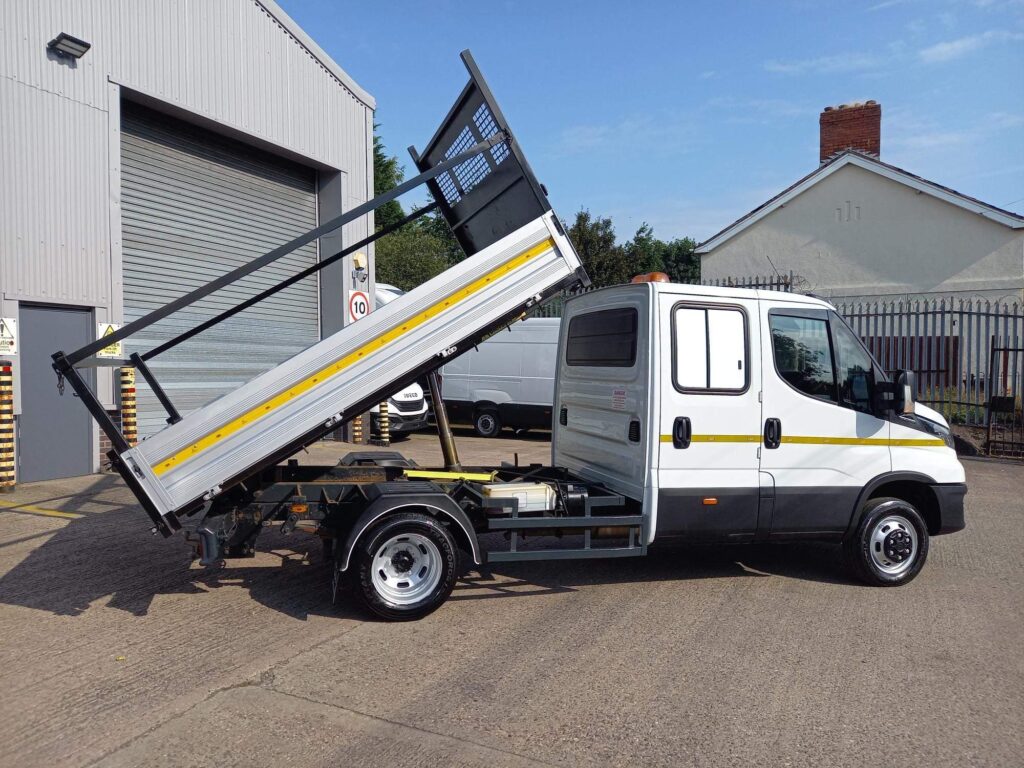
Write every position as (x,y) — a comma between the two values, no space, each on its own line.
(407,409)
(507,381)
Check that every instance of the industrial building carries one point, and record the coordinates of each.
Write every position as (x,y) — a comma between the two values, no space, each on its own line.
(148,148)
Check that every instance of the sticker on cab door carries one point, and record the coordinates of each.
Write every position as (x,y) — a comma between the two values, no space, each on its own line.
(618,399)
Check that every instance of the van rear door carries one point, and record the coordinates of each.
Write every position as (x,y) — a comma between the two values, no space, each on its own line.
(710,414)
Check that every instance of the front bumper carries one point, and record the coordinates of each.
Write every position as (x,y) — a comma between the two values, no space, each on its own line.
(951,506)
(401,423)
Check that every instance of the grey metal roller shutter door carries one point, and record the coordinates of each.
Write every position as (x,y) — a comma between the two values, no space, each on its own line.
(195,205)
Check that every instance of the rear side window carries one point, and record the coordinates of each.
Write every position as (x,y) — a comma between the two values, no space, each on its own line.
(606,338)
(710,349)
(803,354)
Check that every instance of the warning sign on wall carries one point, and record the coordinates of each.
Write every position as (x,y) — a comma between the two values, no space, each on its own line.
(115,350)
(8,336)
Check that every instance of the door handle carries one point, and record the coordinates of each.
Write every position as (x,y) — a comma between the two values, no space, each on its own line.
(772,433)
(682,431)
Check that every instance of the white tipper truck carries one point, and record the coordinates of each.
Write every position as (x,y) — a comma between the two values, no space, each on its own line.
(710,414)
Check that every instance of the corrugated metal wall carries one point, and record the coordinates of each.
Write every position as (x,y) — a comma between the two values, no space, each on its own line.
(229,61)
(241,64)
(195,205)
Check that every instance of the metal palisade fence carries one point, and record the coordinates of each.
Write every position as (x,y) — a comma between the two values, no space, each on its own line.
(968,354)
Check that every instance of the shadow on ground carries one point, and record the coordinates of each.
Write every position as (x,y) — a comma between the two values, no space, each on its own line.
(109,555)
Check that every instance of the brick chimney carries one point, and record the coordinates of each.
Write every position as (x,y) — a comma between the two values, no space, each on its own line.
(851,126)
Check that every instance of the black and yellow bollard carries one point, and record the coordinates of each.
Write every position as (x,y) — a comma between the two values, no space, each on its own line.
(129,414)
(6,426)
(384,426)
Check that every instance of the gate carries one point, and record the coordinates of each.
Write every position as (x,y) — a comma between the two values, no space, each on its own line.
(1004,434)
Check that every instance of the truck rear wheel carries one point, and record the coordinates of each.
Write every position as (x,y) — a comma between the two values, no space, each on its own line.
(404,567)
(890,545)
(486,423)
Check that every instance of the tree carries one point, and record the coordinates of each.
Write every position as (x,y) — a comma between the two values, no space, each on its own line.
(645,253)
(594,239)
(436,225)
(681,263)
(387,174)
(409,256)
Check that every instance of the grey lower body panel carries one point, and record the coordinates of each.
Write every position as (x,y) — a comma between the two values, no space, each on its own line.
(361,364)
(950,498)
(742,514)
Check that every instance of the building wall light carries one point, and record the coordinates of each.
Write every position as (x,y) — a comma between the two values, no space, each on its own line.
(66,45)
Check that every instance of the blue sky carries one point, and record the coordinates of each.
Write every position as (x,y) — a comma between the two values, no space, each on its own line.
(687,115)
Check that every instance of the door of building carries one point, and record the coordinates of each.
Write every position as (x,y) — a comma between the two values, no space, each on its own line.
(55,435)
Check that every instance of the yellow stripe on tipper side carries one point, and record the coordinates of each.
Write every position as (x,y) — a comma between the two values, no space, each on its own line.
(341,364)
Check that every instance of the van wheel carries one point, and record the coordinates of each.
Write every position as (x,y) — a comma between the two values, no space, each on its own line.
(487,423)
(891,543)
(404,567)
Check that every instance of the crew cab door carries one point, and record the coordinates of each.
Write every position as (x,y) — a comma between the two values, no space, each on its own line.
(709,418)
(821,441)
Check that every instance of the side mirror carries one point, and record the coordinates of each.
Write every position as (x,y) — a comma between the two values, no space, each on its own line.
(906,392)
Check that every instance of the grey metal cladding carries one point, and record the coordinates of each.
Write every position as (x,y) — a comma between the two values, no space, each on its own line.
(194,206)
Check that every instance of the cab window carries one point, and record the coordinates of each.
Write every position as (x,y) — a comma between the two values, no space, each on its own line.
(823,358)
(606,338)
(709,349)
(854,367)
(803,354)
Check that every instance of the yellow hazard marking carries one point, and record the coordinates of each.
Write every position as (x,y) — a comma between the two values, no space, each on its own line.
(340,365)
(426,474)
(818,440)
(717,438)
(31,509)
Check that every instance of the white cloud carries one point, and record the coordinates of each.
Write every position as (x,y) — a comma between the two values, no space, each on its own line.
(954,49)
(915,142)
(844,62)
(707,75)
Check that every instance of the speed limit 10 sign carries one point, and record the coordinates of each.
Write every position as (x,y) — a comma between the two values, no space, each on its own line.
(358,305)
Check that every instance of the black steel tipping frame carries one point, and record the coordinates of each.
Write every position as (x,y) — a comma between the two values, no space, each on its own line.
(522,199)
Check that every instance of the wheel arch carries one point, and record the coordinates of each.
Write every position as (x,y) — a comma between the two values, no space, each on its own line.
(912,487)
(437,505)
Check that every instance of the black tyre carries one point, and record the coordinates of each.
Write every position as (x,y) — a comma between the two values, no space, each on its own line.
(404,567)
(890,545)
(486,423)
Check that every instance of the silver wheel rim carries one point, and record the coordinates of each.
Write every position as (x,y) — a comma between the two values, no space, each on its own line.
(893,545)
(406,568)
(485,423)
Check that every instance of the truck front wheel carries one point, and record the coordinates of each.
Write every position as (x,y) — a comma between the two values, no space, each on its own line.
(404,567)
(890,545)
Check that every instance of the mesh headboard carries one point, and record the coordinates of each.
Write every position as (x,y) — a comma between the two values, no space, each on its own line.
(493,193)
